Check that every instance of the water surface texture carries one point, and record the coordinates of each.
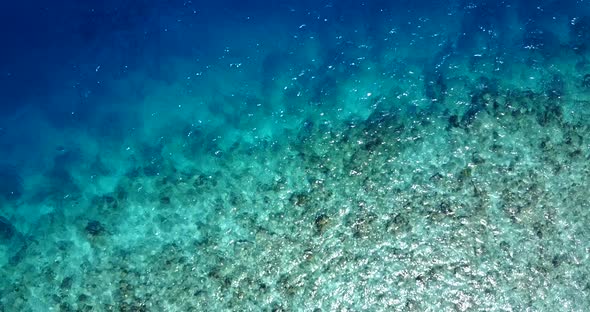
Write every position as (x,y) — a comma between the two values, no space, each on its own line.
(295,155)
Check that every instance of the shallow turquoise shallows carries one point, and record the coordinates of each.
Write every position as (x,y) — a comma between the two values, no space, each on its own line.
(295,155)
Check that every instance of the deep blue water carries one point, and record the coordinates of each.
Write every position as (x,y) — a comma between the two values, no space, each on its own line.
(294,155)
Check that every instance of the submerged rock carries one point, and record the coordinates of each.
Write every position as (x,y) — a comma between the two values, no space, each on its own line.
(7,231)
(95,228)
(299,199)
(321,223)
(435,87)
(18,256)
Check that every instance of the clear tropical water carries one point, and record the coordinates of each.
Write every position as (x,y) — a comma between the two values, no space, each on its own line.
(295,155)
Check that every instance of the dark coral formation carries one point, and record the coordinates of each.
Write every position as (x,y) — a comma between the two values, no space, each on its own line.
(95,228)
(7,231)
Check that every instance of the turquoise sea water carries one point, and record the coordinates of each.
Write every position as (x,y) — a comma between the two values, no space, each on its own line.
(295,156)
